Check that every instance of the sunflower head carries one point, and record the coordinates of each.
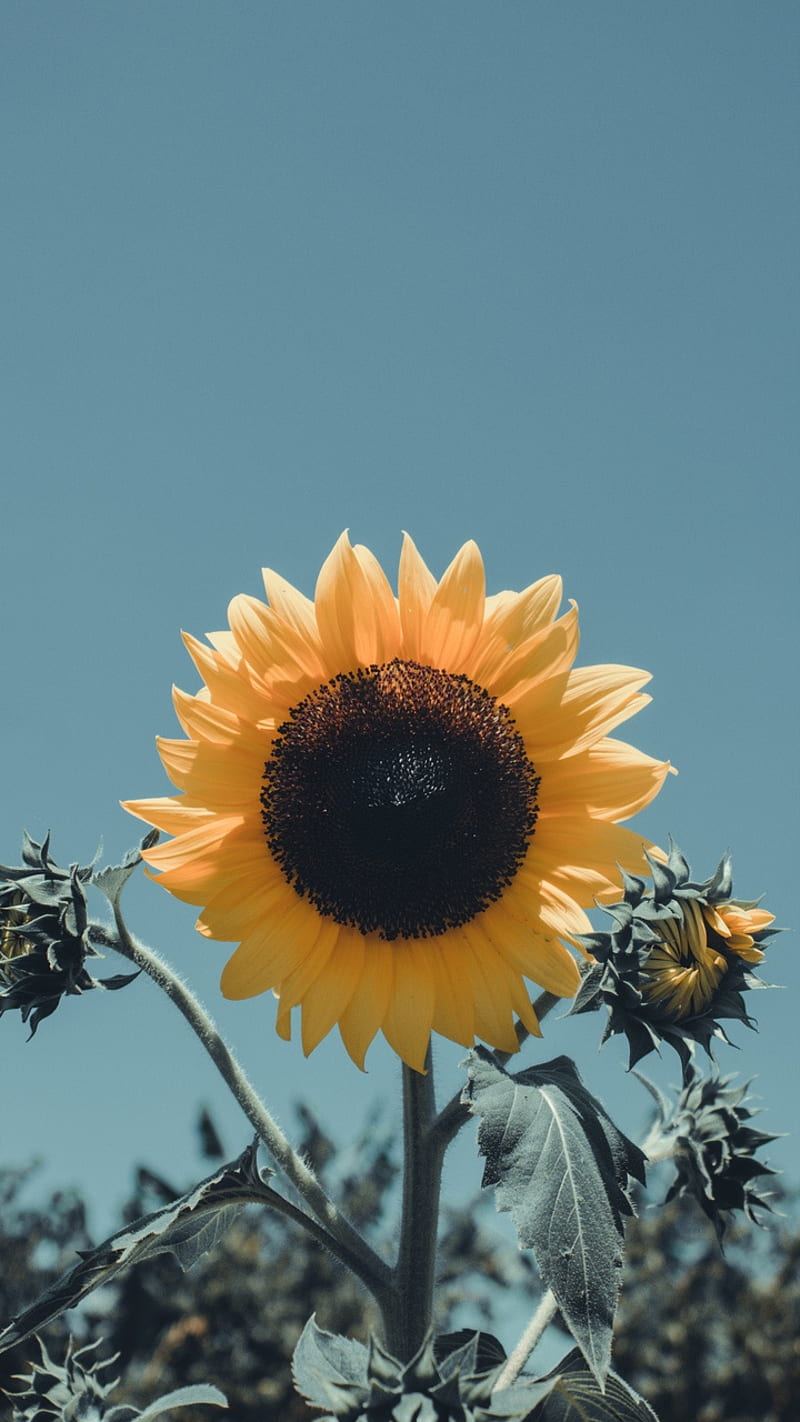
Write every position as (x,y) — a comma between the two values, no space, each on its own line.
(678,959)
(400,805)
(714,1148)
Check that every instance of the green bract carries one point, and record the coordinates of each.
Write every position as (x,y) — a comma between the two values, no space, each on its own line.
(44,935)
(74,1393)
(355,1383)
(677,961)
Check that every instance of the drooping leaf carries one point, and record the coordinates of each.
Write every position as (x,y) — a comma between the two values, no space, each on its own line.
(187,1228)
(562,1169)
(575,1396)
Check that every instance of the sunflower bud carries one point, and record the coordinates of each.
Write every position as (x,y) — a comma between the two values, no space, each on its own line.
(714,1149)
(678,959)
(44,935)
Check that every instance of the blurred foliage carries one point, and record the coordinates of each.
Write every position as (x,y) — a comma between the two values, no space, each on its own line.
(708,1336)
(702,1336)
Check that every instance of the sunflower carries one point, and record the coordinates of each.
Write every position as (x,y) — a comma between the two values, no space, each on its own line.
(398,806)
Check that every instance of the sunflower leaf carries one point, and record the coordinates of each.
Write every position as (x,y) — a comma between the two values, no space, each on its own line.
(562,1169)
(186,1227)
(112,880)
(327,1367)
(191,1396)
(576,1397)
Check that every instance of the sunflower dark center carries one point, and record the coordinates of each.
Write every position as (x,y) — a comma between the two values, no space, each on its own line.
(399,800)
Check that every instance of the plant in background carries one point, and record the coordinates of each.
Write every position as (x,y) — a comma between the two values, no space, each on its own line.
(400,808)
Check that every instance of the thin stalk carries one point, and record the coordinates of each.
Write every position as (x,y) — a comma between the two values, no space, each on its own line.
(408,1306)
(517,1359)
(340,1236)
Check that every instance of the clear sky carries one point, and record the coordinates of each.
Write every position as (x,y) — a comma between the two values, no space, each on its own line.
(523,272)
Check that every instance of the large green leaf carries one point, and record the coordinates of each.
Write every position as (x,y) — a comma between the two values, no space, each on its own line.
(562,1169)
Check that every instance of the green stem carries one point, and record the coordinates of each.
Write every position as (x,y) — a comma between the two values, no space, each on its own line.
(408,1306)
(341,1237)
(515,1362)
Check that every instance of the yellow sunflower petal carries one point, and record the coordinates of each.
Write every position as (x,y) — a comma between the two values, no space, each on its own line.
(567,714)
(409,1014)
(494,1012)
(416,588)
(330,993)
(455,617)
(193,869)
(251,898)
(388,632)
(226,778)
(271,951)
(228,686)
(205,721)
(356,613)
(610,781)
(454,1011)
(587,852)
(364,1015)
(169,814)
(515,617)
(274,650)
(542,959)
(291,606)
(510,674)
(296,984)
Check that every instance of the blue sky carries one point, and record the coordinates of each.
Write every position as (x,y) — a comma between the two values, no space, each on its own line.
(520,272)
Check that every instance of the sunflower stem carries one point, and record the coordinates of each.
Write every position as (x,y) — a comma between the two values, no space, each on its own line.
(408,1306)
(340,1236)
(515,1362)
